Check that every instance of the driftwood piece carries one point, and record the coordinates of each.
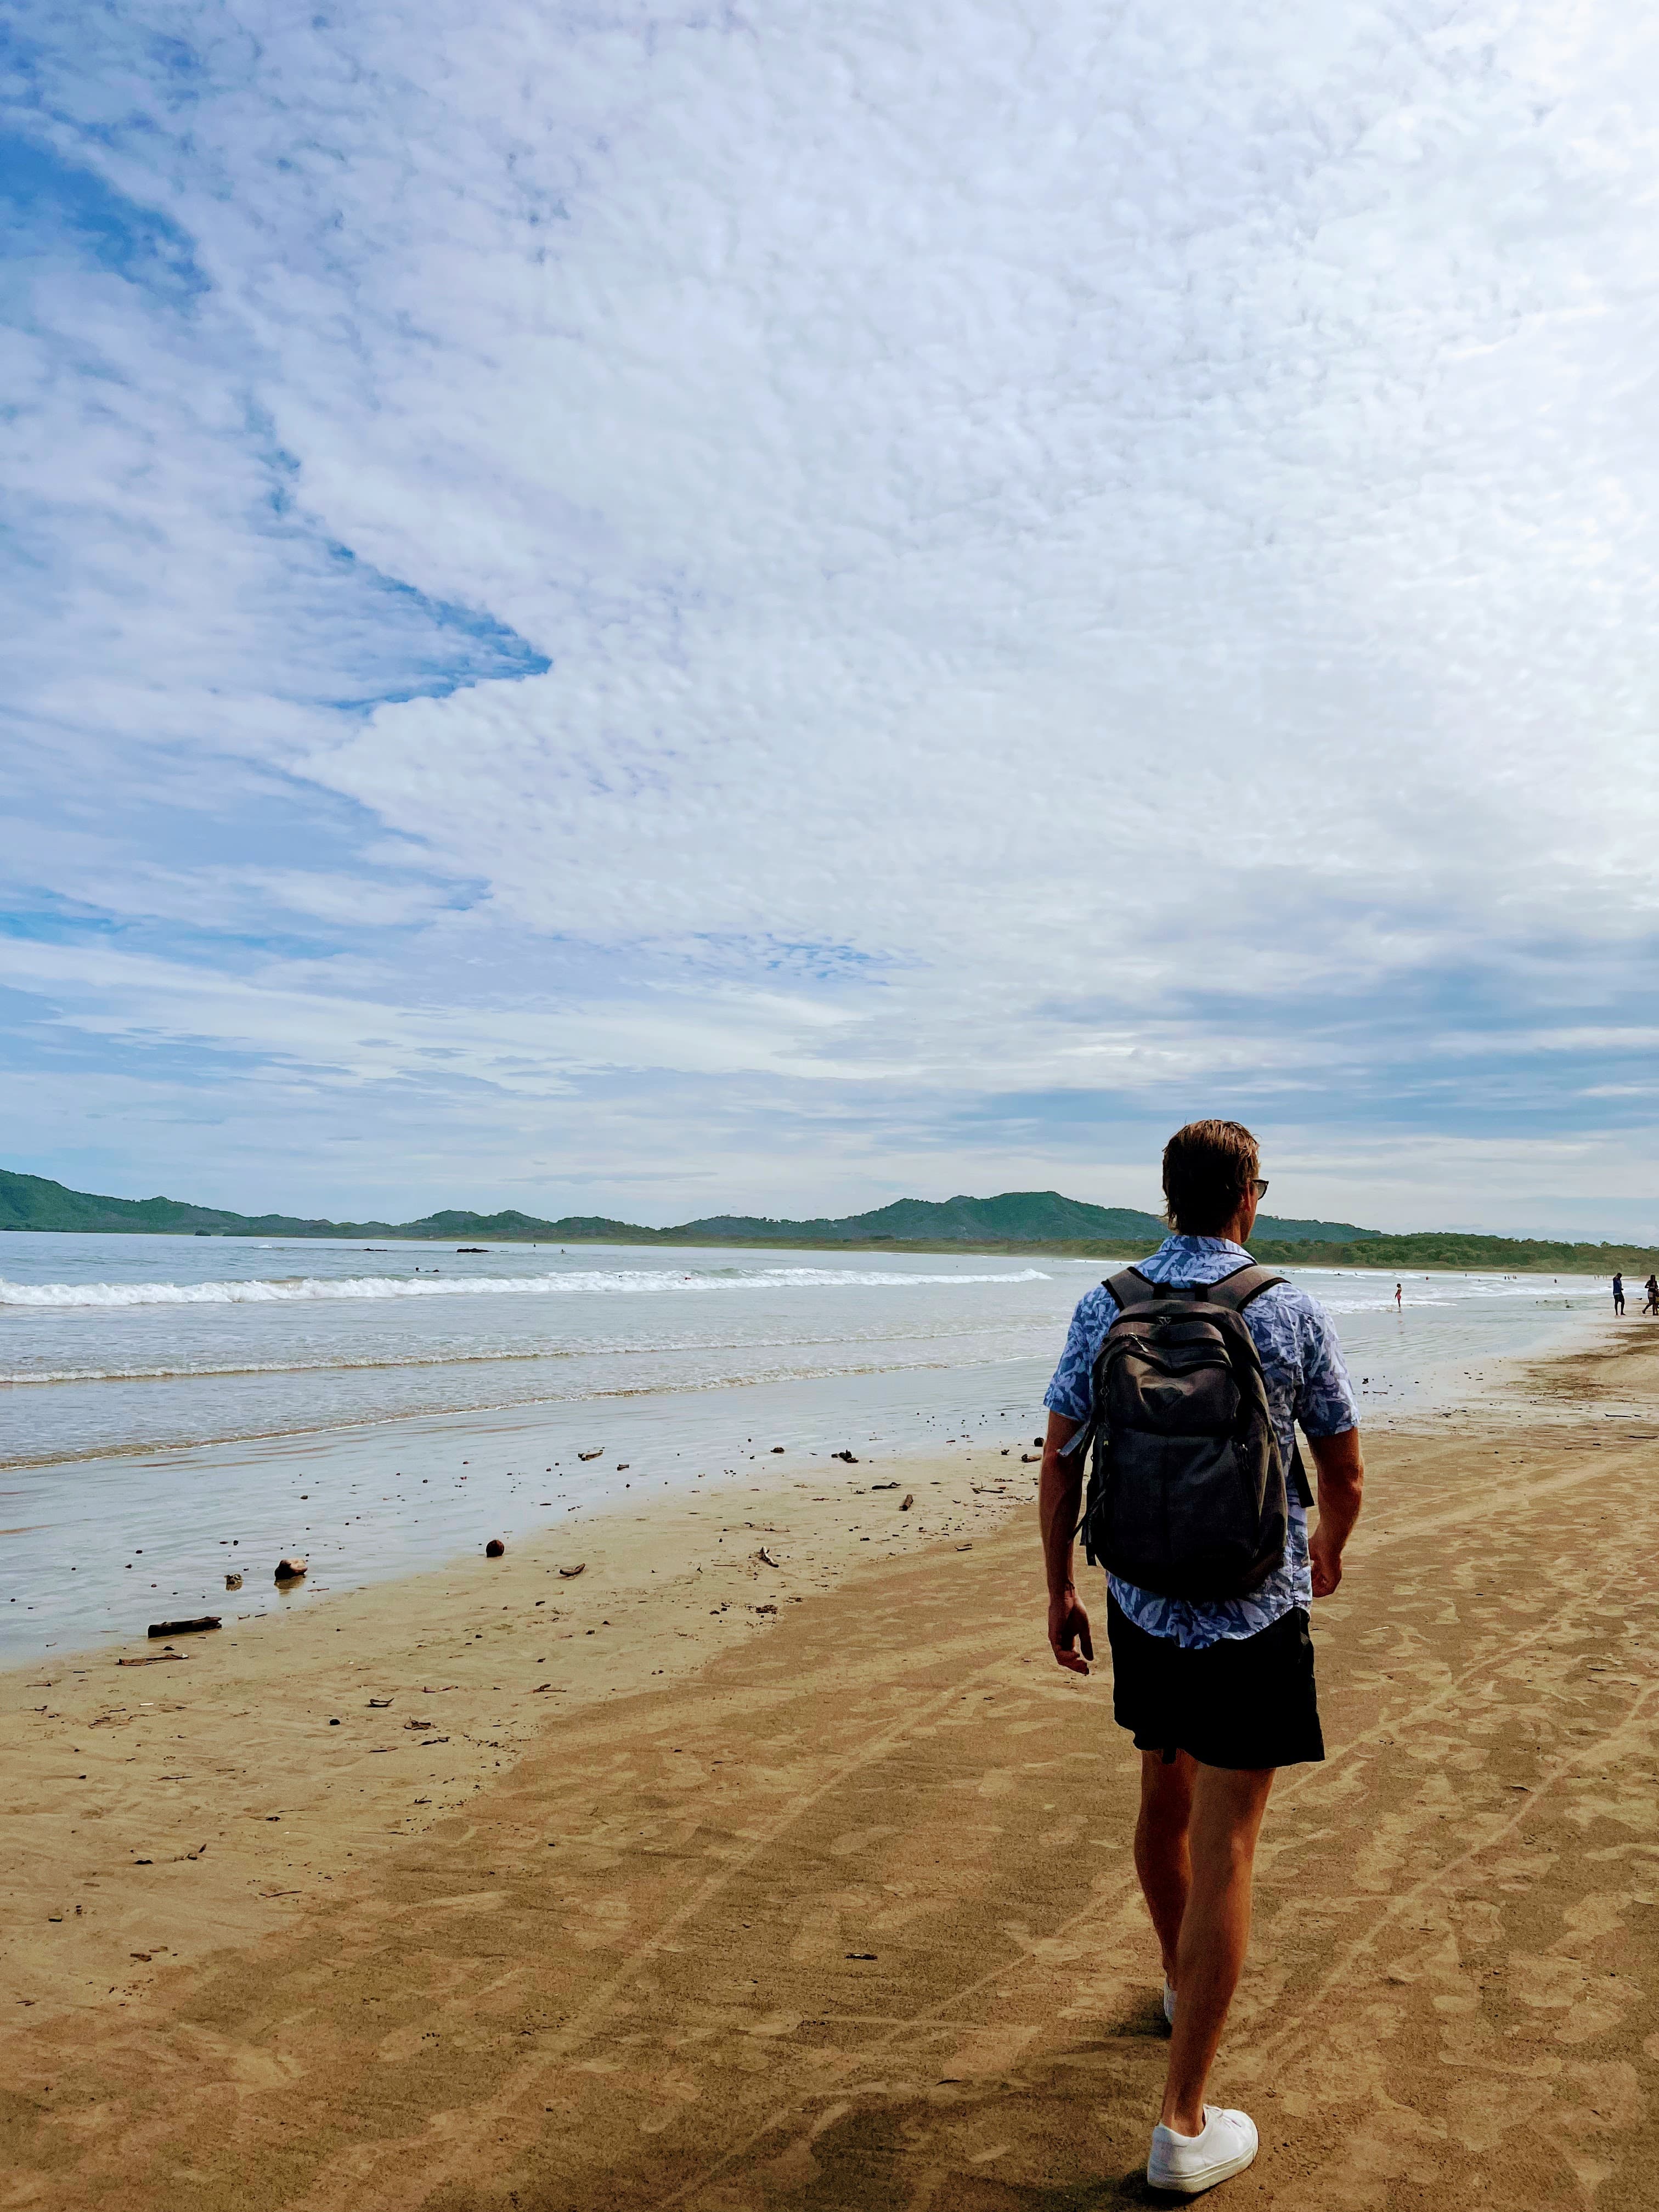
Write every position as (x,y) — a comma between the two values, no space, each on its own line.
(184,1627)
(906,1501)
(154,1659)
(592,1454)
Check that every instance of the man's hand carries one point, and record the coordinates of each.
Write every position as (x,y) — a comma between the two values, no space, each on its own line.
(1341,1483)
(1326,1563)
(1069,1640)
(1060,1486)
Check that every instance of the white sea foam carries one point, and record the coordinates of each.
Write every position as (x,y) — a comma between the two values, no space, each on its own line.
(304,1289)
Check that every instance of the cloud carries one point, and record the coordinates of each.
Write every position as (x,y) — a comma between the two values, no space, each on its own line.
(850,570)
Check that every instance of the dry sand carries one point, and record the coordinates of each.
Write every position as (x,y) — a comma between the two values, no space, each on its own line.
(834,1907)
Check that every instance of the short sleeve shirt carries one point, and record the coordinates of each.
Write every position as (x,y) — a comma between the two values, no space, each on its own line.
(1307,1382)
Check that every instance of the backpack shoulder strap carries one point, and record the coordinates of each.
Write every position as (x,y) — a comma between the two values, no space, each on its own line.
(1300,1483)
(1131,1288)
(1236,1290)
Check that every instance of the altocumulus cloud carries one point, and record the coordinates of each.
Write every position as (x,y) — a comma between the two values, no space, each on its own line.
(643,606)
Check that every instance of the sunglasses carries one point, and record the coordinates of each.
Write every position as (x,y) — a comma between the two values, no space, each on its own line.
(1259,1186)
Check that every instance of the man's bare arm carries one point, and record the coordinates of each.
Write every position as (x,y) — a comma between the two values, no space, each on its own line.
(1341,1481)
(1060,1493)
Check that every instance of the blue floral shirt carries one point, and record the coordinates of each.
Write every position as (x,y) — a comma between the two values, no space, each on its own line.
(1307,1381)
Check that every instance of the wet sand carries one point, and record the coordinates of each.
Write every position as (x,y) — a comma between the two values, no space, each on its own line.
(834,1906)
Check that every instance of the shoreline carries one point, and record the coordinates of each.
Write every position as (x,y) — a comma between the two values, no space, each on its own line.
(660,1592)
(375,1499)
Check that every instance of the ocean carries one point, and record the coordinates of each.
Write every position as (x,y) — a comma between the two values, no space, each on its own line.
(172,1405)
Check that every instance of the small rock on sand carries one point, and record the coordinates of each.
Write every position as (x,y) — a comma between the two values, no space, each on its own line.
(289,1571)
(494,1549)
(570,1573)
(766,1559)
(233,1582)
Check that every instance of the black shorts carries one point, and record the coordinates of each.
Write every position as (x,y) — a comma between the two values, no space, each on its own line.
(1246,1701)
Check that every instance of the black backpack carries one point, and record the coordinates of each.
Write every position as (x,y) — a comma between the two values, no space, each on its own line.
(1187,1495)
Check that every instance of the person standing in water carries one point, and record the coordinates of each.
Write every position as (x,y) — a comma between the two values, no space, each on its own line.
(1397,1306)
(1618,1293)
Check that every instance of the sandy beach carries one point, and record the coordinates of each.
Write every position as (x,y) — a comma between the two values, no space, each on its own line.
(629,1889)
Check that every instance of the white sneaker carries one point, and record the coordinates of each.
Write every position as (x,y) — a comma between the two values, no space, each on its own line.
(1169,2003)
(1190,2164)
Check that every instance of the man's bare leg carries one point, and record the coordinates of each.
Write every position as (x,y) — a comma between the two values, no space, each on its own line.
(1227,1805)
(1163,1860)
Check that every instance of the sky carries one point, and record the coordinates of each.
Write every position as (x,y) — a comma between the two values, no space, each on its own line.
(657,610)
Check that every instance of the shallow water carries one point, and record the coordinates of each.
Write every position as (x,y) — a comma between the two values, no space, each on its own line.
(166,1402)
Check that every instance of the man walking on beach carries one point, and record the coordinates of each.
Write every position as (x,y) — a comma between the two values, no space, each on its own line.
(1618,1294)
(1218,1692)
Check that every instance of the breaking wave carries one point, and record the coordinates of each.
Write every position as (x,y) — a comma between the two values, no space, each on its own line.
(307,1289)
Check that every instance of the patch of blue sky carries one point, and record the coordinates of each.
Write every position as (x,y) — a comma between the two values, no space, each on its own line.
(333,629)
(805,959)
(434,645)
(824,961)
(51,922)
(220,951)
(56,208)
(440,645)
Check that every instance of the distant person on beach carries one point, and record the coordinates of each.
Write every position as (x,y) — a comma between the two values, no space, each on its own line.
(1397,1305)
(1652,1286)
(1618,1294)
(1216,1689)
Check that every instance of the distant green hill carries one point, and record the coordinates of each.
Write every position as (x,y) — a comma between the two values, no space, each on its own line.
(1026,1217)
(1019,1216)
(1016,1216)
(1017,1220)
